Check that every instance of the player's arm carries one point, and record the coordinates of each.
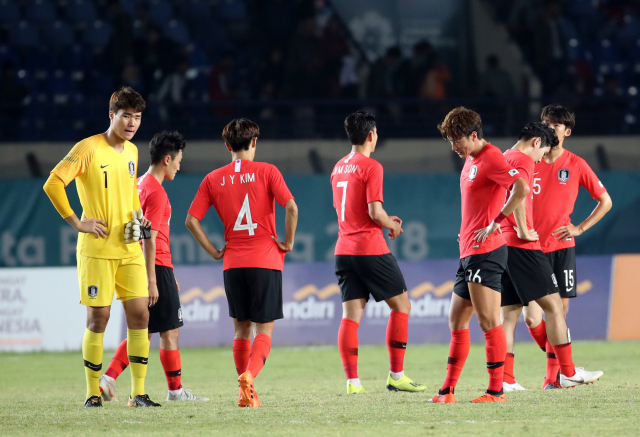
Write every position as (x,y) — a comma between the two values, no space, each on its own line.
(290,225)
(382,219)
(149,249)
(569,231)
(195,227)
(520,216)
(519,191)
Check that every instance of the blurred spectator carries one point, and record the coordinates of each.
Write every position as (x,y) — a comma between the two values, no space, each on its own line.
(435,84)
(222,86)
(421,61)
(495,81)
(172,93)
(156,56)
(120,49)
(12,96)
(333,48)
(131,77)
(303,60)
(388,75)
(550,48)
(273,73)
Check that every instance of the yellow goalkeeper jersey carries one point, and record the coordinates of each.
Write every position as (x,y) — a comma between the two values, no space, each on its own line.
(106,183)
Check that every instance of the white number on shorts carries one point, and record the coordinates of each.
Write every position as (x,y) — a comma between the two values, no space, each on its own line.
(343,184)
(474,278)
(568,278)
(245,211)
(536,185)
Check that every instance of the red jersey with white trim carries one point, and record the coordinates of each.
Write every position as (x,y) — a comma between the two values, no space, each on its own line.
(243,195)
(156,207)
(555,189)
(525,165)
(356,181)
(483,184)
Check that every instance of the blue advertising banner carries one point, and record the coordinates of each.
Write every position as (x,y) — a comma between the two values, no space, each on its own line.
(312,305)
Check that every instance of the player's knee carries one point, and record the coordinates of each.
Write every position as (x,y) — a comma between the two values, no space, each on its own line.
(488,323)
(531,322)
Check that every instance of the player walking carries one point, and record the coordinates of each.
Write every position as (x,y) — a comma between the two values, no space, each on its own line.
(165,313)
(556,182)
(529,278)
(483,252)
(364,264)
(104,167)
(243,195)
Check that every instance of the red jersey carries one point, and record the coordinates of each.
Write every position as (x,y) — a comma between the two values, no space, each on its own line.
(156,207)
(243,194)
(357,181)
(525,165)
(555,189)
(483,184)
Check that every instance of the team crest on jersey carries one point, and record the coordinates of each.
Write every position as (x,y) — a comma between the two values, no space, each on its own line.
(93,291)
(132,168)
(553,278)
(473,171)
(563,175)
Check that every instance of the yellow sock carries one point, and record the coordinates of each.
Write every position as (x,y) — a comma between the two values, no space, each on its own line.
(92,355)
(138,351)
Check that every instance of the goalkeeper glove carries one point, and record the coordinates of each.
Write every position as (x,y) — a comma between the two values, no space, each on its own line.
(133,231)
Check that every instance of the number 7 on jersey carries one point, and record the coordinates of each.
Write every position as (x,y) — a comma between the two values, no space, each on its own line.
(343,185)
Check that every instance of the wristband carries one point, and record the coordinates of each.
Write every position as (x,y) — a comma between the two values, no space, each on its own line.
(500,218)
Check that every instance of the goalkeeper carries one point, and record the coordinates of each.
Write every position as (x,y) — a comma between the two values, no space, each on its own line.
(109,258)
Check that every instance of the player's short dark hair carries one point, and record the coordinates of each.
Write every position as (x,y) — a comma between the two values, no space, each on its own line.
(166,143)
(239,133)
(539,130)
(127,98)
(358,125)
(461,122)
(557,114)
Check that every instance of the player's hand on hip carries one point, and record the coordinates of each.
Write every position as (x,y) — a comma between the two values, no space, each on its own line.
(395,231)
(153,294)
(482,234)
(93,226)
(283,246)
(528,235)
(218,255)
(569,231)
(396,219)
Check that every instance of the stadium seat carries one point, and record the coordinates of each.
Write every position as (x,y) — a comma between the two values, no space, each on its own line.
(59,34)
(24,35)
(160,12)
(177,31)
(40,11)
(197,57)
(9,11)
(81,11)
(98,34)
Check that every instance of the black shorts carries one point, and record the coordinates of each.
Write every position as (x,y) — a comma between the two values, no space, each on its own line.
(563,264)
(528,277)
(254,294)
(362,275)
(485,269)
(166,314)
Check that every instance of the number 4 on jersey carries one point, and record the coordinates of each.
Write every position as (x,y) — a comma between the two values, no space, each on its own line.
(245,211)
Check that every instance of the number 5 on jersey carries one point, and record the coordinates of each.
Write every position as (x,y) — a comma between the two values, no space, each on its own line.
(343,185)
(245,211)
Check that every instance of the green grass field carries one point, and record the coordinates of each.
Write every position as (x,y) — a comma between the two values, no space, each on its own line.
(302,391)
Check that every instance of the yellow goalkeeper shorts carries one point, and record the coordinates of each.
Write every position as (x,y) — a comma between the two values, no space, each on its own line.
(100,278)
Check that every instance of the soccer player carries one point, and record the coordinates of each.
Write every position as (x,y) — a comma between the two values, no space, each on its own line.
(556,182)
(243,195)
(104,167)
(483,252)
(165,315)
(529,278)
(364,263)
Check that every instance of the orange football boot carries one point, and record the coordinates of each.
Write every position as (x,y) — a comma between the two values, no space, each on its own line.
(446,398)
(248,396)
(490,398)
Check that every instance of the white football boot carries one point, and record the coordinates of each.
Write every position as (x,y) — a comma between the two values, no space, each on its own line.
(512,387)
(183,395)
(107,388)
(581,377)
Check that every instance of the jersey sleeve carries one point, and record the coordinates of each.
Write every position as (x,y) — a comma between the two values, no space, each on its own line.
(373,184)
(500,172)
(76,162)
(54,187)
(202,202)
(525,168)
(590,181)
(153,208)
(278,187)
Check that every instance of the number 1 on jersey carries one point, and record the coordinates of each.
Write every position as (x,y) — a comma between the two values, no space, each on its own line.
(245,211)
(343,184)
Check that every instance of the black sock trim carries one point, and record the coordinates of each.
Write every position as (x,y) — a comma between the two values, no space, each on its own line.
(453,361)
(94,367)
(138,360)
(174,373)
(495,365)
(551,355)
(397,344)
(446,391)
(495,393)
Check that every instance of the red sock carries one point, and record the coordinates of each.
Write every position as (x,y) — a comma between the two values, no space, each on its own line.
(397,335)
(119,362)
(565,359)
(508,369)
(539,334)
(172,368)
(348,347)
(241,351)
(553,367)
(259,352)
(496,350)
(458,353)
